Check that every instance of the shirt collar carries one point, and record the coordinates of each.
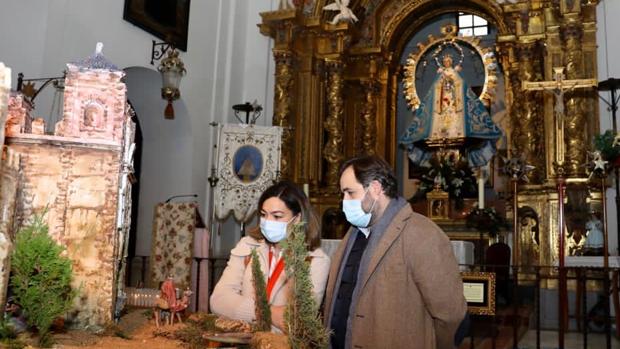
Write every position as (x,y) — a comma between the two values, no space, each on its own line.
(365,231)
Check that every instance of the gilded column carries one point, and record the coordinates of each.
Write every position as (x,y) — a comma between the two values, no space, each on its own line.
(575,124)
(528,123)
(369,112)
(282,107)
(333,125)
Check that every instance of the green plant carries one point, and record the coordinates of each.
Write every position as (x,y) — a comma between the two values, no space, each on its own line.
(41,277)
(305,329)
(261,305)
(6,330)
(8,336)
(486,220)
(605,144)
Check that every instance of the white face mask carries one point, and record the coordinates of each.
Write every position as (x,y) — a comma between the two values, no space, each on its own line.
(274,231)
(355,213)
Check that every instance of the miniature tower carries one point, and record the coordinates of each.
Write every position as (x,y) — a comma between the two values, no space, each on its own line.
(5,88)
(19,119)
(8,178)
(94,100)
(79,176)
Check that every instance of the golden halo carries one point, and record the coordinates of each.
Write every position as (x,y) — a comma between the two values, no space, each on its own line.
(449,38)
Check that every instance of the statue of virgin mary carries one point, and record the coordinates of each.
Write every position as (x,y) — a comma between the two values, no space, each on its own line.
(451,115)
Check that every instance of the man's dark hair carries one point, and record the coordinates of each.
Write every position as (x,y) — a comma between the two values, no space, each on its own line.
(370,168)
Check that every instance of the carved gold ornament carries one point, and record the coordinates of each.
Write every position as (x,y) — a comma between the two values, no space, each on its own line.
(450,38)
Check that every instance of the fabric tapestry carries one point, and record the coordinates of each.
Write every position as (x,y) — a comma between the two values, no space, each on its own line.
(172,243)
(248,162)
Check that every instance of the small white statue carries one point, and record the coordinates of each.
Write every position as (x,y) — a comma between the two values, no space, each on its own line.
(345,12)
(99,48)
(594,227)
(286,5)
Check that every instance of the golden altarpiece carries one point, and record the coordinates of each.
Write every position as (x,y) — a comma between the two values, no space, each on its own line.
(336,91)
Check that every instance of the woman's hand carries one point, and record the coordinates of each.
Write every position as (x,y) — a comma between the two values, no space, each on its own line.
(277,316)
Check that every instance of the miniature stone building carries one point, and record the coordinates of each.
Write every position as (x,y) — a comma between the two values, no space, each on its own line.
(79,175)
(9,166)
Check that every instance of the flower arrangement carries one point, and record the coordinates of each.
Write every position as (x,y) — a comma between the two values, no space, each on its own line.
(608,144)
(487,220)
(452,176)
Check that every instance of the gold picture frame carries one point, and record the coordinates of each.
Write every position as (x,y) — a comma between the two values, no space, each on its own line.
(479,291)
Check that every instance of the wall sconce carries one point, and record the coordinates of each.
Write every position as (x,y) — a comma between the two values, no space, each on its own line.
(172,70)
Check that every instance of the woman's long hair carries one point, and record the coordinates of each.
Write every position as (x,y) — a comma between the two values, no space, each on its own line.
(296,201)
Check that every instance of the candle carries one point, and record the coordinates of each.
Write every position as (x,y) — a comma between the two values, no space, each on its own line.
(481,189)
(307,189)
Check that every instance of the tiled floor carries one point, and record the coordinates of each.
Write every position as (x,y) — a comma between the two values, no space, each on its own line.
(549,339)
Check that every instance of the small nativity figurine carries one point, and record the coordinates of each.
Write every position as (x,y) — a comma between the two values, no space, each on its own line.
(168,306)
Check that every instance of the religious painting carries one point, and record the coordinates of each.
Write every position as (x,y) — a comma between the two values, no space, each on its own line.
(247,162)
(166,19)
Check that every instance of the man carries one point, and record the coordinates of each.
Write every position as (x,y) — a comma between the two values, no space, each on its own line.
(394,281)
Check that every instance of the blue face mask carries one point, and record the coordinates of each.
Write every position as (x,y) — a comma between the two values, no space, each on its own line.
(355,213)
(273,231)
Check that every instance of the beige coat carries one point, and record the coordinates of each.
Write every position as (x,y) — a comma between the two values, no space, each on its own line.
(412,292)
(233,296)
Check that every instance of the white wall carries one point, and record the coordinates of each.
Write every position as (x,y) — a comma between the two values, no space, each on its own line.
(608,67)
(166,150)
(228,62)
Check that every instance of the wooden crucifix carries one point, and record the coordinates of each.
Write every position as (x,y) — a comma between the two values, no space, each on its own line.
(557,86)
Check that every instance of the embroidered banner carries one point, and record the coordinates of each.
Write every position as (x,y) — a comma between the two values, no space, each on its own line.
(172,244)
(248,162)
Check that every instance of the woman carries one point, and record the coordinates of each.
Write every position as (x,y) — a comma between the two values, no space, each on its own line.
(280,206)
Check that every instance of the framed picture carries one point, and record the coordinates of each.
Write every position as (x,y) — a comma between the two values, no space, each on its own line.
(438,205)
(479,290)
(166,19)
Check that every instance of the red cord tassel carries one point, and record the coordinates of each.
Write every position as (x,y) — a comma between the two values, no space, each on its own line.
(169,112)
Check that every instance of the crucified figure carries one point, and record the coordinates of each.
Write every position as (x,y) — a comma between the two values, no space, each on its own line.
(558,86)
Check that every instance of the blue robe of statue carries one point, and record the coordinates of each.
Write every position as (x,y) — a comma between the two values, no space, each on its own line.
(451,110)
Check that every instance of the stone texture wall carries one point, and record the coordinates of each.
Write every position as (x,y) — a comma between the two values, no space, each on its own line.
(19,119)
(9,166)
(77,181)
(5,90)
